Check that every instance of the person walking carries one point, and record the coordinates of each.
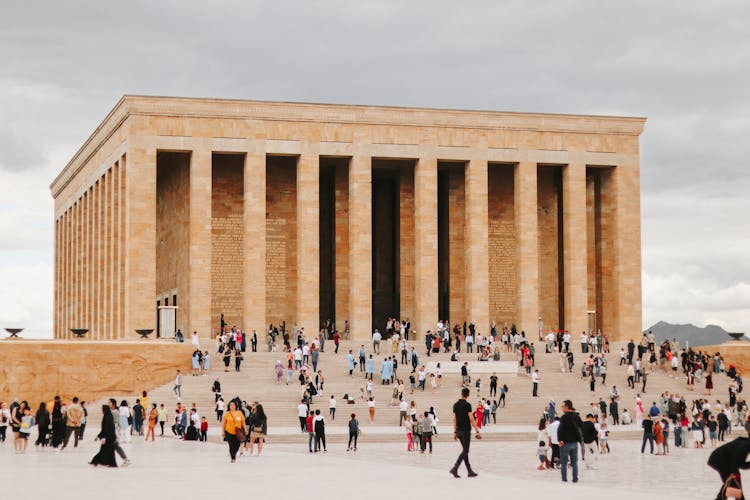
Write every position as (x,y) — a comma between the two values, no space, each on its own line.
(153,417)
(569,434)
(353,432)
(535,381)
(332,408)
(107,437)
(258,427)
(177,389)
(463,423)
(371,409)
(233,426)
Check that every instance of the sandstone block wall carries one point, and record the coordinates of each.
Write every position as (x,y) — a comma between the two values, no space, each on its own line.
(281,240)
(227,240)
(172,220)
(37,370)
(502,246)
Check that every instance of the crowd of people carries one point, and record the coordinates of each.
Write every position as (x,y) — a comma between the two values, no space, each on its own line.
(671,420)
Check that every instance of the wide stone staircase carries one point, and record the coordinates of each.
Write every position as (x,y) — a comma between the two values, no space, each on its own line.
(517,420)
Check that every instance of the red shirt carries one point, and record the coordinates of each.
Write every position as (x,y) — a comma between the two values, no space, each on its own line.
(336,337)
(309,422)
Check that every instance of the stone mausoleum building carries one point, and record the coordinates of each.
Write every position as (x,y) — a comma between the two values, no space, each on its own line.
(271,211)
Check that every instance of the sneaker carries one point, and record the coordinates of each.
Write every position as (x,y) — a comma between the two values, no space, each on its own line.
(454,472)
(126,463)
(472,474)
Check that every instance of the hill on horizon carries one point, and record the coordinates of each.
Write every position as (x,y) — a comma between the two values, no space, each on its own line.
(694,335)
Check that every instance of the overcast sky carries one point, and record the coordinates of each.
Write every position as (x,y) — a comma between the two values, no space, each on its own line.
(683,65)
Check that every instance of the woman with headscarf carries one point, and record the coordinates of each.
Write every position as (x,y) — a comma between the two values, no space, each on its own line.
(107,437)
(42,422)
(58,425)
(727,460)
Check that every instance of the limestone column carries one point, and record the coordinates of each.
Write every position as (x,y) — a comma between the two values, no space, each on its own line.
(255,240)
(308,244)
(425,244)
(56,307)
(476,241)
(199,258)
(360,247)
(139,253)
(574,248)
(624,260)
(527,249)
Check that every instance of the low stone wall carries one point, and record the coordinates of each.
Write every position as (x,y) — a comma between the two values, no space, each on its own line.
(734,353)
(37,370)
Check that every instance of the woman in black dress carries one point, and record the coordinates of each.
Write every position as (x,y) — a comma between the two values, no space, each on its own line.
(108,437)
(42,422)
(58,425)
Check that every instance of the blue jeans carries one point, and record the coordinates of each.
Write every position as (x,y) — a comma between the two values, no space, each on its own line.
(569,450)
(650,439)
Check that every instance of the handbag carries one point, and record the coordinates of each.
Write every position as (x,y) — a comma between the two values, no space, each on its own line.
(240,434)
(732,487)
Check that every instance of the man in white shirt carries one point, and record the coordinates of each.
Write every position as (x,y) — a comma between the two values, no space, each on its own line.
(302,414)
(332,407)
(297,354)
(305,353)
(535,381)
(469,343)
(402,407)
(376,337)
(584,342)
(554,442)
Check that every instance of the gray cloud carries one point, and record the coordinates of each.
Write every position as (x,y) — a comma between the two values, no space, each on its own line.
(686,66)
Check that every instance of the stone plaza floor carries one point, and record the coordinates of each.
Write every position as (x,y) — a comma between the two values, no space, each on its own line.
(170,468)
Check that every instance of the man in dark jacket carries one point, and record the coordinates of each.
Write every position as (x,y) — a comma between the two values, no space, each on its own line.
(569,435)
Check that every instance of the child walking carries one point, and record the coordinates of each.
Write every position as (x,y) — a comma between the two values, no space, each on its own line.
(542,454)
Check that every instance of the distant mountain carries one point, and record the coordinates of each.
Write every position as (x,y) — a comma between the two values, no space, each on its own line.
(696,336)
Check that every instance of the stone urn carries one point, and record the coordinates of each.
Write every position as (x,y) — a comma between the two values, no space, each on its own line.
(14,332)
(144,332)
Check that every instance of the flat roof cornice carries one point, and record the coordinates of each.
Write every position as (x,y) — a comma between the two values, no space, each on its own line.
(339,113)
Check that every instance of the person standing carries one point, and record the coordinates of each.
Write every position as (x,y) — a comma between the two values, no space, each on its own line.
(425,436)
(73,423)
(535,381)
(42,422)
(161,417)
(648,434)
(463,423)
(569,434)
(319,427)
(353,432)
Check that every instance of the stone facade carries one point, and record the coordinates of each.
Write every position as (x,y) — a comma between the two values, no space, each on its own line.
(36,370)
(220,205)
